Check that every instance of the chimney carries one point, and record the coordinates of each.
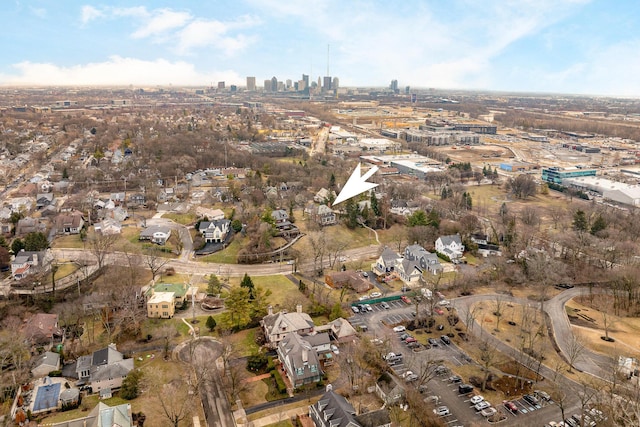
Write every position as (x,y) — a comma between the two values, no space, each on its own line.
(270,310)
(305,356)
(35,259)
(299,308)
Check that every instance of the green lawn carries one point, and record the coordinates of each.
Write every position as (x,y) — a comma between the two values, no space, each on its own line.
(227,256)
(71,241)
(184,219)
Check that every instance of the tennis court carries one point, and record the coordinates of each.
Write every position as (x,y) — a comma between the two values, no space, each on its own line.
(46,397)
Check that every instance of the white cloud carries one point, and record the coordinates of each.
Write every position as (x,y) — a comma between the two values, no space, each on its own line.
(212,33)
(116,71)
(89,13)
(160,22)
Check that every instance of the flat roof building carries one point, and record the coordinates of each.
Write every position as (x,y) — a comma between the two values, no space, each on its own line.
(557,175)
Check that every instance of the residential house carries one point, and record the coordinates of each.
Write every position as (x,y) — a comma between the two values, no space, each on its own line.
(281,218)
(118,198)
(161,305)
(210,214)
(108,226)
(323,195)
(390,389)
(349,280)
(70,223)
(386,262)
(138,199)
(277,326)
(118,213)
(214,231)
(299,360)
(29,262)
(157,234)
(425,259)
(103,369)
(485,248)
(30,225)
(42,329)
(409,271)
(45,363)
(164,298)
(104,415)
(450,246)
(44,199)
(324,215)
(333,410)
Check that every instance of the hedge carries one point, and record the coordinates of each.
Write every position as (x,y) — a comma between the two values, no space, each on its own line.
(280,385)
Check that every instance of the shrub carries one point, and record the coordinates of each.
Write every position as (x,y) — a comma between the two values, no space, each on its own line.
(280,385)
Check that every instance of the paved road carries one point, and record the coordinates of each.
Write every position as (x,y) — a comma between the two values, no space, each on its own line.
(216,407)
(235,270)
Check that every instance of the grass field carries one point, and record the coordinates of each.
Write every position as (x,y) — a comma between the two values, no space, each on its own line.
(229,255)
(184,219)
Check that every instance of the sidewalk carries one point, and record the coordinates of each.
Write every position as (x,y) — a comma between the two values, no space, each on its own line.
(280,416)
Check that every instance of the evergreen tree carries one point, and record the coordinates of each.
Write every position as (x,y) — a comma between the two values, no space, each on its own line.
(248,284)
(417,218)
(580,221)
(444,194)
(17,245)
(352,213)
(374,204)
(211,323)
(35,241)
(332,182)
(598,225)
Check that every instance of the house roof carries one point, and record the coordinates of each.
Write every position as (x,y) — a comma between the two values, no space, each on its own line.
(316,340)
(300,356)
(178,289)
(160,297)
(218,223)
(68,220)
(342,329)
(118,369)
(48,358)
(151,230)
(336,411)
(106,356)
(42,327)
(109,416)
(287,322)
(448,240)
(389,256)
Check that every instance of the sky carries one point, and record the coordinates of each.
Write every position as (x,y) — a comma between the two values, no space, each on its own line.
(552,46)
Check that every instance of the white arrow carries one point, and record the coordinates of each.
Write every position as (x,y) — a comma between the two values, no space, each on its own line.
(356,184)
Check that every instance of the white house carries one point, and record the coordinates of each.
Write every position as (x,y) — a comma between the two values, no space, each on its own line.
(450,246)
(214,231)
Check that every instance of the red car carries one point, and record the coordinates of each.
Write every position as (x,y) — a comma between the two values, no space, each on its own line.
(438,310)
(406,299)
(510,406)
(410,340)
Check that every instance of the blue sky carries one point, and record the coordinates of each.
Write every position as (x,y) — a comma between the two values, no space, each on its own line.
(559,46)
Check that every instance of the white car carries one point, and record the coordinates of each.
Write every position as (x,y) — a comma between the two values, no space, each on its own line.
(482,405)
(444,302)
(368,307)
(442,411)
(399,329)
(375,294)
(488,412)
(335,349)
(476,399)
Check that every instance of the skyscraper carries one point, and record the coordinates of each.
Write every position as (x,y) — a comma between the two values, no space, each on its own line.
(326,87)
(274,84)
(394,86)
(336,83)
(251,84)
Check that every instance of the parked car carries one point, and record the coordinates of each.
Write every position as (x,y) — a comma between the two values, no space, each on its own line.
(476,399)
(385,305)
(440,327)
(410,340)
(411,377)
(405,299)
(455,379)
(465,388)
(399,328)
(482,405)
(488,412)
(368,307)
(433,342)
(432,399)
(542,395)
(335,349)
(404,336)
(531,399)
(438,310)
(375,294)
(445,339)
(355,309)
(510,406)
(363,298)
(442,411)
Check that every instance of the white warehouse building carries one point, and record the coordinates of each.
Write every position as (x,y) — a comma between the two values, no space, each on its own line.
(615,191)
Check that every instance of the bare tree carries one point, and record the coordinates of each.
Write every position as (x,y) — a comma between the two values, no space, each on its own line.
(318,243)
(499,307)
(155,261)
(175,397)
(234,373)
(100,246)
(575,350)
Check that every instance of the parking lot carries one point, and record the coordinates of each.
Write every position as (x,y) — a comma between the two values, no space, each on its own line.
(379,321)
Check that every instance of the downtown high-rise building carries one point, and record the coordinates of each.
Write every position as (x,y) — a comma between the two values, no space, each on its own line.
(394,86)
(251,84)
(326,84)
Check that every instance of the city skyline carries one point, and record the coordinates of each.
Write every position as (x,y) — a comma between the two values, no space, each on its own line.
(571,46)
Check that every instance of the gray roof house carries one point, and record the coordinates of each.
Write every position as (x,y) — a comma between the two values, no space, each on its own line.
(299,360)
(45,363)
(386,262)
(105,368)
(281,218)
(450,246)
(214,231)
(29,262)
(425,260)
(333,410)
(276,326)
(156,234)
(389,389)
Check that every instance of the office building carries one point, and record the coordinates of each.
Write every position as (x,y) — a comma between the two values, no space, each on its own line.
(274,84)
(336,83)
(394,86)
(220,85)
(556,175)
(251,84)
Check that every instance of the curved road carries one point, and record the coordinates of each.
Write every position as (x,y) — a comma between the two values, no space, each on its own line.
(590,362)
